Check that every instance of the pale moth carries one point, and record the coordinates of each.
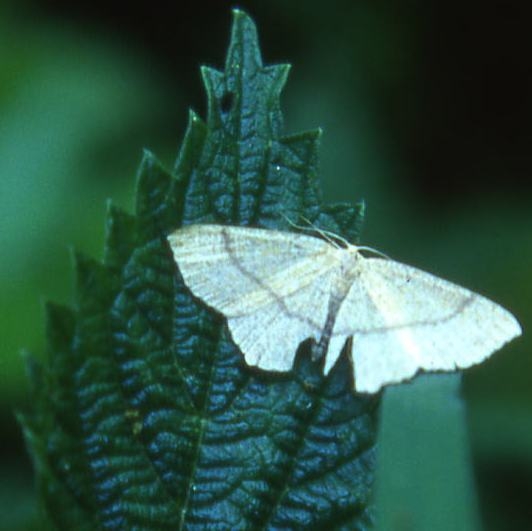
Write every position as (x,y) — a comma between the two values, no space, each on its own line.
(277,289)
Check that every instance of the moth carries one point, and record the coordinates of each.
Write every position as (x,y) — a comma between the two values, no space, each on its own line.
(277,289)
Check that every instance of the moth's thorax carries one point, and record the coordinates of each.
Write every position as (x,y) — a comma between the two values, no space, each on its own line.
(350,264)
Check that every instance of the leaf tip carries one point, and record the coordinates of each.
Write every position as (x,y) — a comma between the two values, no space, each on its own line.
(148,160)
(244,44)
(241,18)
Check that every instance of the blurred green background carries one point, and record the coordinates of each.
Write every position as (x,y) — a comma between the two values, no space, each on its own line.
(426,112)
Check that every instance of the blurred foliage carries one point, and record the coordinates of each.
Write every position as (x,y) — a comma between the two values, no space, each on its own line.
(424,478)
(425,115)
(72,114)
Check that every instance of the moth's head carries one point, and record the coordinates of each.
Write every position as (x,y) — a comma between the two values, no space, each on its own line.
(354,251)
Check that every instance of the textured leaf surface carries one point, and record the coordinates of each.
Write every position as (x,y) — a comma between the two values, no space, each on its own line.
(147,416)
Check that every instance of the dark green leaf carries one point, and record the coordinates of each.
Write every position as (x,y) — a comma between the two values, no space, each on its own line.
(147,416)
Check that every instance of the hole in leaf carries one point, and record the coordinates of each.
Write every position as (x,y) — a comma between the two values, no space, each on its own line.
(226,103)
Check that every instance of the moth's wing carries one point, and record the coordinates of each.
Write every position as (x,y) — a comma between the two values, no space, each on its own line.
(403,319)
(269,337)
(273,287)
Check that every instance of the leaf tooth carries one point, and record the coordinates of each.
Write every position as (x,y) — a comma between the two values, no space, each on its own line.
(93,289)
(155,209)
(60,327)
(120,237)
(190,152)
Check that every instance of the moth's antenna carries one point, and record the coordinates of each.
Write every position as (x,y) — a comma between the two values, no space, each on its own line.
(290,222)
(372,250)
(331,237)
(327,236)
(326,233)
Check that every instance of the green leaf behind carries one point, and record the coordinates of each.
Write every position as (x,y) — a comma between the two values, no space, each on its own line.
(147,416)
(424,473)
